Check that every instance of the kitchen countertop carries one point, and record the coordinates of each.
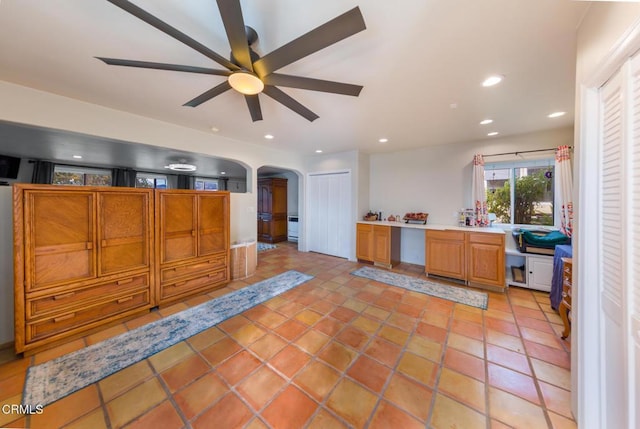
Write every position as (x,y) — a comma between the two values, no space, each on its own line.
(402,224)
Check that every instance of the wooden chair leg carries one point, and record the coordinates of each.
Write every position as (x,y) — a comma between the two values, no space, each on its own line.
(564,315)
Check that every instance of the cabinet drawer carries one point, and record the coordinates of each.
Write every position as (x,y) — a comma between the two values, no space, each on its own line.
(186,270)
(486,238)
(445,235)
(66,321)
(79,298)
(192,285)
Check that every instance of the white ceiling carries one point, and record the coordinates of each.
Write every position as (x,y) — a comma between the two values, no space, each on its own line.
(415,60)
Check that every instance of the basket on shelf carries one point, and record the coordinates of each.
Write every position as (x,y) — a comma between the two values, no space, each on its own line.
(416,218)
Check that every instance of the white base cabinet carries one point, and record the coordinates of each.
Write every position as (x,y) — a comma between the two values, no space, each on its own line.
(538,270)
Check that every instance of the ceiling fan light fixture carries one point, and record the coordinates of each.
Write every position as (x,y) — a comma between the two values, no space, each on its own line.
(246,83)
(181,167)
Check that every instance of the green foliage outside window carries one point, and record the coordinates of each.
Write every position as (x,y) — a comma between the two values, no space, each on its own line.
(533,203)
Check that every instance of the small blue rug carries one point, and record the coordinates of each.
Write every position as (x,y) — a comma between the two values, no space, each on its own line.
(451,293)
(265,246)
(66,374)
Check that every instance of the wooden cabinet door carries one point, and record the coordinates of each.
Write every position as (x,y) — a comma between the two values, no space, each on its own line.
(59,238)
(124,229)
(279,197)
(486,259)
(445,254)
(382,244)
(213,212)
(264,197)
(364,242)
(176,215)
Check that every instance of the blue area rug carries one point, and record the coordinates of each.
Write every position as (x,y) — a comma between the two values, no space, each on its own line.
(265,246)
(59,377)
(451,293)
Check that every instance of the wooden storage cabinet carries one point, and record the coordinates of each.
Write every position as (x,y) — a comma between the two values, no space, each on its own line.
(565,304)
(82,257)
(192,230)
(379,244)
(272,210)
(486,259)
(445,254)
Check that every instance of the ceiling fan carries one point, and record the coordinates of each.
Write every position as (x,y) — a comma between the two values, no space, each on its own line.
(247,72)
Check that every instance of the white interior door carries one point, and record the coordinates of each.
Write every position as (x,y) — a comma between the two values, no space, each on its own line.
(330,224)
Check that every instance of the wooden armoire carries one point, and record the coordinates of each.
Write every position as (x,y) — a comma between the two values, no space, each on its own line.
(272,210)
(88,256)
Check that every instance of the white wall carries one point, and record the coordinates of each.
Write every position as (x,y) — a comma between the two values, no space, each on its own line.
(437,179)
(6,265)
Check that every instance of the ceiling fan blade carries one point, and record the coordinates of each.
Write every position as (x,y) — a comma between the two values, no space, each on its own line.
(206,96)
(163,66)
(319,38)
(253,103)
(234,26)
(292,104)
(312,84)
(173,32)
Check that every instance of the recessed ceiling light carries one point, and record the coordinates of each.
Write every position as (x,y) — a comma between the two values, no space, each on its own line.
(318,151)
(268,136)
(223,172)
(214,129)
(383,140)
(486,122)
(77,156)
(492,80)
(493,133)
(181,167)
(556,114)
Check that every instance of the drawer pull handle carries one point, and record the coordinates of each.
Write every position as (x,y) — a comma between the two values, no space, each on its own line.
(124,281)
(89,245)
(63,296)
(193,232)
(122,300)
(65,317)
(181,284)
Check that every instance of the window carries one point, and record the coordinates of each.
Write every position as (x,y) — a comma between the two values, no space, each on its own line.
(521,193)
(203,184)
(81,176)
(147,180)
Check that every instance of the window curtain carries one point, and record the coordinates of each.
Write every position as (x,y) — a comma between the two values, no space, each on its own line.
(123,177)
(564,189)
(42,172)
(186,182)
(479,192)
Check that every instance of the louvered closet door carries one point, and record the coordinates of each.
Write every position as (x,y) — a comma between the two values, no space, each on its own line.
(612,239)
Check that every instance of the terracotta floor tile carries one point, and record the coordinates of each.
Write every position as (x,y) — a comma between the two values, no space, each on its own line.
(385,303)
(290,360)
(344,314)
(376,313)
(14,367)
(172,309)
(503,340)
(57,351)
(185,372)
(105,334)
(291,329)
(260,387)
(256,423)
(515,411)
(556,399)
(238,367)
(355,305)
(525,302)
(418,368)
(548,354)
(432,332)
(436,319)
(312,341)
(248,334)
(200,395)
(337,355)
(383,351)
(503,326)
(317,379)
(325,420)
(308,317)
(143,320)
(448,413)
(135,402)
(268,346)
(409,310)
(546,339)
(329,326)
(257,312)
(388,416)
(540,325)
(12,385)
(465,363)
(171,356)
(439,306)
(93,420)
(468,329)
(291,409)
(513,382)
(206,338)
(395,335)
(271,319)
(234,323)
(369,373)
(323,306)
(401,321)
(220,351)
(163,416)
(8,417)
(466,344)
(352,402)
(528,312)
(67,409)
(508,358)
(336,298)
(409,396)
(468,314)
(353,337)
(552,374)
(463,389)
(366,296)
(425,348)
(118,383)
(290,309)
(560,422)
(230,412)
(366,324)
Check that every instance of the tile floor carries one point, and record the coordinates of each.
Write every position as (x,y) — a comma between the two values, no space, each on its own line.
(339,351)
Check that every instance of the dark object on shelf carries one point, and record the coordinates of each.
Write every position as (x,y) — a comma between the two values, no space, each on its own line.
(539,242)
(9,166)
(518,274)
